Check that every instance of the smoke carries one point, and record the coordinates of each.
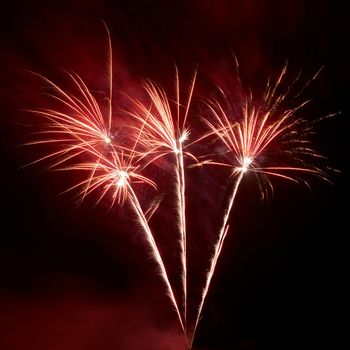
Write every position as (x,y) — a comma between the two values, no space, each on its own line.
(77,315)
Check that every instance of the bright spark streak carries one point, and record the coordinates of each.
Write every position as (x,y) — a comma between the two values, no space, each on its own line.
(261,130)
(164,131)
(80,129)
(144,223)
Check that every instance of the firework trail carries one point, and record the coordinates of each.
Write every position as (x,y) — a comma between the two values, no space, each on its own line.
(115,175)
(80,130)
(164,131)
(78,125)
(267,132)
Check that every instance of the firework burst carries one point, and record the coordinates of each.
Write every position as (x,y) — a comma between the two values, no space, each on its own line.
(269,140)
(83,139)
(116,175)
(78,124)
(261,137)
(164,130)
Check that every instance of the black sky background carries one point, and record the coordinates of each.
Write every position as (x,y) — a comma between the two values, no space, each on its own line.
(81,278)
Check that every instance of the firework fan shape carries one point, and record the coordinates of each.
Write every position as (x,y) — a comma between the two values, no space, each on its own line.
(85,142)
(164,130)
(264,138)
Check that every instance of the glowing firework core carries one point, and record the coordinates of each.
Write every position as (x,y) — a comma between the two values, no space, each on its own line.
(121,178)
(180,141)
(246,162)
(183,137)
(107,139)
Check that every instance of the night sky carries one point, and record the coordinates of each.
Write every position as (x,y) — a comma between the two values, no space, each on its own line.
(81,277)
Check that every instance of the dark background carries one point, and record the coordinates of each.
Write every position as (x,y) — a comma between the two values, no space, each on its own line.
(81,278)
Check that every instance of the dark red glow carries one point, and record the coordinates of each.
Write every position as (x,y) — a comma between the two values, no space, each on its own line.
(76,278)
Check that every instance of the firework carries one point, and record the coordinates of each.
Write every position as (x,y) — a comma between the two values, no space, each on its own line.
(80,130)
(265,139)
(163,131)
(267,133)
(116,175)
(77,125)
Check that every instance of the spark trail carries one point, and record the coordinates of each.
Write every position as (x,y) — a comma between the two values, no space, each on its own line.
(164,131)
(266,132)
(78,129)
(115,175)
